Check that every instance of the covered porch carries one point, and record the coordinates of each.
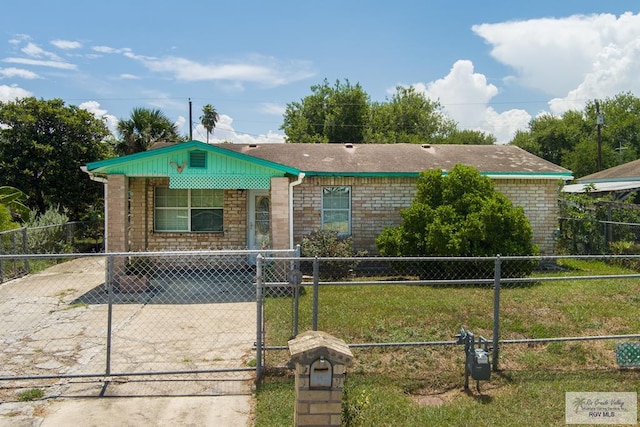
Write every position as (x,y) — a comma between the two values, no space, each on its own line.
(195,196)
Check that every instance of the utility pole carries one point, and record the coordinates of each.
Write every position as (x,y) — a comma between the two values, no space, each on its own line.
(191,122)
(599,123)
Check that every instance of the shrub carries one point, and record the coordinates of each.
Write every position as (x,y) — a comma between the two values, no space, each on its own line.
(460,214)
(46,232)
(324,243)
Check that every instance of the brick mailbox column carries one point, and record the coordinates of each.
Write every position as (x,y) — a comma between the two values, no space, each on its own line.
(320,361)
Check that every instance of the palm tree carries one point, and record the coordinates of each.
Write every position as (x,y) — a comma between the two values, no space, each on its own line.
(145,127)
(209,118)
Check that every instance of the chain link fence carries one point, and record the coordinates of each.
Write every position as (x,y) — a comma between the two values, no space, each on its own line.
(559,312)
(129,314)
(182,313)
(71,237)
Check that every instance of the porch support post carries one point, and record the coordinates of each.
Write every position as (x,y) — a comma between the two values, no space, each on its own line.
(279,213)
(117,213)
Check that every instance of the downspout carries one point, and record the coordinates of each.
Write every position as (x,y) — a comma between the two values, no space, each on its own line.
(104,181)
(291,185)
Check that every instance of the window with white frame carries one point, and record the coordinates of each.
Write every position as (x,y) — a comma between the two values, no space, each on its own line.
(336,209)
(188,210)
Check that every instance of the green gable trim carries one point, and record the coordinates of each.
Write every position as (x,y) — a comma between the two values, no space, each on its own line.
(220,182)
(175,158)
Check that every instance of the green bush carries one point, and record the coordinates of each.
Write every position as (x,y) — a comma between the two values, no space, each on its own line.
(325,243)
(595,225)
(460,214)
(46,231)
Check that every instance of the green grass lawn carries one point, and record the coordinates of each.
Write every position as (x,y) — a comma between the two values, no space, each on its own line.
(415,386)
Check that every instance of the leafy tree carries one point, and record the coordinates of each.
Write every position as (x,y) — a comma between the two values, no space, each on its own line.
(459,214)
(470,137)
(552,136)
(43,144)
(336,113)
(621,129)
(570,140)
(143,129)
(583,160)
(408,117)
(209,118)
(343,113)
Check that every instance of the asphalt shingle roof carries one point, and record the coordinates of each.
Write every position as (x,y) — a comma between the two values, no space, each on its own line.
(625,172)
(398,158)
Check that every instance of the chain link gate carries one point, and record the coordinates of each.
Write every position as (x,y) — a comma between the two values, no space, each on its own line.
(130,314)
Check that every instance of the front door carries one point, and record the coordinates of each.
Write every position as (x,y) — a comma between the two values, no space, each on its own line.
(259,221)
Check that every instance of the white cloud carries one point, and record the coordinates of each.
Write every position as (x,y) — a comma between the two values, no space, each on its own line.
(94,107)
(504,125)
(465,96)
(224,132)
(615,70)
(10,93)
(463,93)
(35,51)
(273,108)
(18,72)
(573,59)
(42,63)
(66,44)
(129,76)
(256,69)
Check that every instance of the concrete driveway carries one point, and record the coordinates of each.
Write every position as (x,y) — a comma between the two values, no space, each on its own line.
(50,328)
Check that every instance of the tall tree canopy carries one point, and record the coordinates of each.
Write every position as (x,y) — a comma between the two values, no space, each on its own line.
(408,117)
(144,128)
(43,144)
(344,113)
(570,140)
(209,118)
(337,113)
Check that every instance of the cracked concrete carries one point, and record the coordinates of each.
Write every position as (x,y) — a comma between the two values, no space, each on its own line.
(50,326)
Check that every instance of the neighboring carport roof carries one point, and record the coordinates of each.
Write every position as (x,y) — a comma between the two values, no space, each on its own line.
(626,172)
(402,159)
(621,178)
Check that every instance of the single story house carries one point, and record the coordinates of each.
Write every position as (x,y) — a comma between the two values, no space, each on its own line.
(197,196)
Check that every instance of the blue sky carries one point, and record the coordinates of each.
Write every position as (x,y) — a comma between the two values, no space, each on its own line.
(493,65)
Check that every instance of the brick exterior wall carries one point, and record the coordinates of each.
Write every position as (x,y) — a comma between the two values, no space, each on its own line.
(117,213)
(539,199)
(279,213)
(376,204)
(143,238)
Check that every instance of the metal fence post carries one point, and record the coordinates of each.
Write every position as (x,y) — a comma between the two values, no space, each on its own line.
(1,266)
(296,296)
(25,248)
(109,282)
(316,280)
(259,307)
(496,312)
